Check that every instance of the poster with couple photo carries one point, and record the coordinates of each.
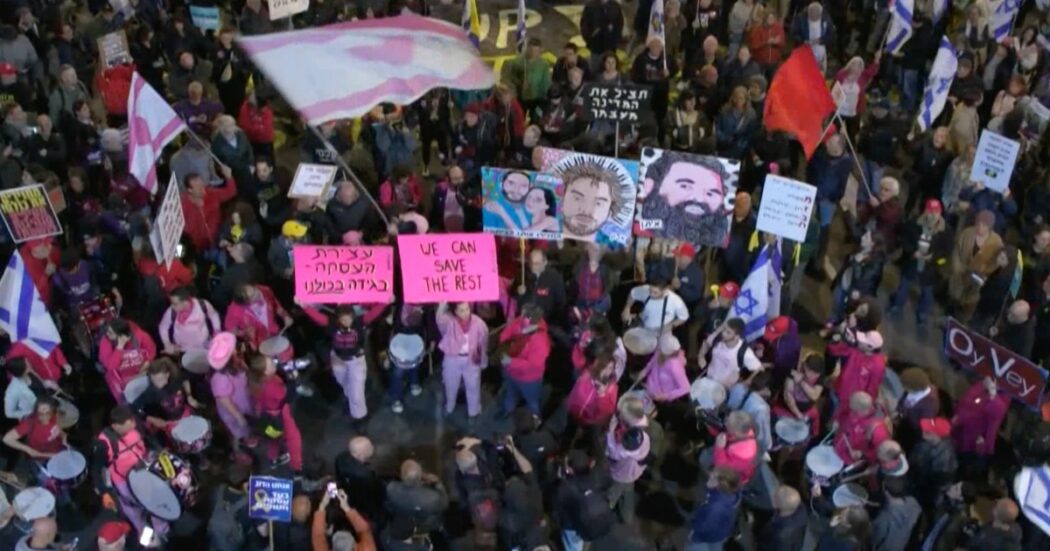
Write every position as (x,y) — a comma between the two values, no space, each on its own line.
(521,203)
(687,197)
(598,203)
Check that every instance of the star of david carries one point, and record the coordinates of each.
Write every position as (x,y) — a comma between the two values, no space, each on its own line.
(748,308)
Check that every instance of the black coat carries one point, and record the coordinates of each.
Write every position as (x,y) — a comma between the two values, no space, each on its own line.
(601,26)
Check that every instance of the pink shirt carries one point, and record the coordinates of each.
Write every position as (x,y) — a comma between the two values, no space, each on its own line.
(233,386)
(860,371)
(667,380)
(190,330)
(978,415)
(472,343)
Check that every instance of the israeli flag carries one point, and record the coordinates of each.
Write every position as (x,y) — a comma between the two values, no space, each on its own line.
(937,84)
(1032,488)
(22,313)
(759,298)
(471,22)
(1003,18)
(900,24)
(520,33)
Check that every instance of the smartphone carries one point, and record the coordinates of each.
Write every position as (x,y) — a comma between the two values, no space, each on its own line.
(147,536)
(179,249)
(332,489)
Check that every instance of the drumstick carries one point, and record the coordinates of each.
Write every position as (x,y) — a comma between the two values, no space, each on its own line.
(14,484)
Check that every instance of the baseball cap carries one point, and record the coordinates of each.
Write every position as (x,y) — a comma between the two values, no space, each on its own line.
(6,69)
(933,205)
(112,531)
(938,426)
(777,327)
(221,349)
(729,289)
(294,229)
(685,249)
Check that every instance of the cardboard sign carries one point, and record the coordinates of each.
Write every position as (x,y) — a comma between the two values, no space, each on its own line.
(113,49)
(270,498)
(451,267)
(994,162)
(206,18)
(344,274)
(28,213)
(287,8)
(1016,375)
(170,223)
(521,203)
(686,197)
(786,207)
(624,103)
(312,180)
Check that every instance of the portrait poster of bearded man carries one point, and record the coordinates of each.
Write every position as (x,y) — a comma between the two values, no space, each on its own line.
(687,197)
(599,194)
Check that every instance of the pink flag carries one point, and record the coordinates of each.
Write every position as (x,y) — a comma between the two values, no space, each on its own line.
(152,123)
(344,70)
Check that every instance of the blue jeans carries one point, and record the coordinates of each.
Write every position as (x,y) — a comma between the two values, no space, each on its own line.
(519,390)
(571,541)
(839,296)
(397,382)
(908,80)
(826,211)
(900,298)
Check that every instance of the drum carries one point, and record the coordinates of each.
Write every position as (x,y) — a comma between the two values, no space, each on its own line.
(165,486)
(33,503)
(135,388)
(791,432)
(96,313)
(68,469)
(191,434)
(68,414)
(822,463)
(640,344)
(849,495)
(196,361)
(278,348)
(406,351)
(647,401)
(709,397)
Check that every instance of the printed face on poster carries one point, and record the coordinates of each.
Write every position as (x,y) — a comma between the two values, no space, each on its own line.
(170,223)
(521,203)
(270,498)
(287,8)
(28,213)
(344,274)
(451,267)
(312,180)
(687,197)
(786,207)
(598,202)
(993,165)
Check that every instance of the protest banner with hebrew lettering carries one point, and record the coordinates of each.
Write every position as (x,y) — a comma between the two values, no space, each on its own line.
(28,213)
(312,180)
(786,207)
(624,103)
(270,498)
(1015,375)
(452,267)
(343,274)
(287,8)
(170,223)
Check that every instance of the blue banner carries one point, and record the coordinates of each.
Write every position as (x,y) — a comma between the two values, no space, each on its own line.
(270,498)
(205,18)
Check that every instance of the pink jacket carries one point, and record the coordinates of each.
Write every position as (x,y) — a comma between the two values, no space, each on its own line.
(978,415)
(455,342)
(860,371)
(625,465)
(241,322)
(531,361)
(739,455)
(193,332)
(666,380)
(590,406)
(124,365)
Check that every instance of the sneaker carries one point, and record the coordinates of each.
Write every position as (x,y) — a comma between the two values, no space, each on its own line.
(415,390)
(397,407)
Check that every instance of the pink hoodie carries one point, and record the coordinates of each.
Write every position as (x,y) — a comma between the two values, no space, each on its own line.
(588,405)
(241,322)
(455,342)
(666,380)
(739,455)
(531,362)
(124,365)
(860,371)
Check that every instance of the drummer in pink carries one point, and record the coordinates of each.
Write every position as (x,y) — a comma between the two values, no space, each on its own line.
(464,343)
(269,396)
(118,450)
(976,423)
(665,378)
(124,352)
(229,385)
(252,316)
(863,368)
(189,323)
(860,430)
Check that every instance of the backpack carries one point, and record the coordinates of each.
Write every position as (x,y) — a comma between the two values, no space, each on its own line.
(206,308)
(594,517)
(224,531)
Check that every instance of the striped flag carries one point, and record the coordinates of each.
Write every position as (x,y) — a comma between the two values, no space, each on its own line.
(1003,18)
(152,124)
(22,313)
(942,73)
(520,33)
(656,23)
(472,22)
(759,298)
(900,24)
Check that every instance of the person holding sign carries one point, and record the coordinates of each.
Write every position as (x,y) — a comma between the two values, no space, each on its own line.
(523,347)
(348,336)
(464,342)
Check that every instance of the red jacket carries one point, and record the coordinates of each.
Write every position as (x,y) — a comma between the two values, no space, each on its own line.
(115,85)
(528,356)
(203,221)
(739,455)
(124,365)
(388,198)
(257,122)
(170,278)
(589,405)
(241,322)
(48,369)
(859,372)
(862,434)
(37,267)
(511,125)
(978,415)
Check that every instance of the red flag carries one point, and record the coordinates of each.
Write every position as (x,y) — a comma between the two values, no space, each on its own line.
(798,100)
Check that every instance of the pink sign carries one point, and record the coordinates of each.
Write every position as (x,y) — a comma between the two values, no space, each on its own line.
(344,274)
(449,267)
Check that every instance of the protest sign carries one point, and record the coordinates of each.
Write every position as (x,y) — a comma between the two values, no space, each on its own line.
(312,180)
(994,162)
(1016,375)
(58,199)
(205,18)
(343,274)
(451,267)
(786,207)
(113,49)
(624,103)
(270,498)
(521,203)
(598,201)
(170,223)
(687,197)
(287,8)
(28,213)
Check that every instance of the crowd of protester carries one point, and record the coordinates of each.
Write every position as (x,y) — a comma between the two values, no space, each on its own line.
(565,437)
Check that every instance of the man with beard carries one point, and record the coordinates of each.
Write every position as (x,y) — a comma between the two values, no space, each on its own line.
(592,195)
(513,187)
(686,194)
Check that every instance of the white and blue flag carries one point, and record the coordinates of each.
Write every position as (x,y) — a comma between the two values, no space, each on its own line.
(942,73)
(900,24)
(759,298)
(1003,18)
(520,33)
(22,313)
(1032,488)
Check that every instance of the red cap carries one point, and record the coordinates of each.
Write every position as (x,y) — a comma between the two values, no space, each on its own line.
(685,249)
(938,426)
(729,289)
(933,205)
(776,328)
(112,531)
(6,69)
(474,108)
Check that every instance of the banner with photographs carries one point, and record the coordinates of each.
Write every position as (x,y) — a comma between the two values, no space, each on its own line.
(599,192)
(521,203)
(687,197)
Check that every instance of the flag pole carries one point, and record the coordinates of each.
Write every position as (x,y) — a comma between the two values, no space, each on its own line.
(205,145)
(350,174)
(853,152)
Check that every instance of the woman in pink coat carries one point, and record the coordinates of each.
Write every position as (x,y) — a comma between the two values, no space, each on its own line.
(252,316)
(124,353)
(975,426)
(665,378)
(229,385)
(464,343)
(863,368)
